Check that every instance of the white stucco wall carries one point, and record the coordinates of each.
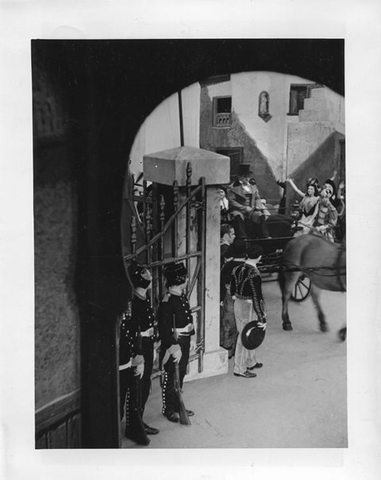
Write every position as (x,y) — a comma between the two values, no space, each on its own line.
(337,107)
(220,89)
(271,136)
(161,131)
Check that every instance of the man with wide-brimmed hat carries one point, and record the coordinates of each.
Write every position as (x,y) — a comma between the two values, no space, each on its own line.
(245,203)
(175,324)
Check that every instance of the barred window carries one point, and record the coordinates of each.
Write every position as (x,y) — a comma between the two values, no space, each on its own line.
(222,107)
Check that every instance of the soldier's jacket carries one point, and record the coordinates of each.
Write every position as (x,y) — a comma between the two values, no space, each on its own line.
(128,340)
(137,326)
(174,312)
(143,313)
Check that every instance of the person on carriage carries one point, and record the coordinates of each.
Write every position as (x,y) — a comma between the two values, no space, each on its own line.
(326,216)
(282,202)
(337,199)
(224,206)
(246,207)
(308,204)
(335,196)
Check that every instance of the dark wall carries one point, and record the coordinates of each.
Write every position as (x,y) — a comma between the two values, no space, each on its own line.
(55,227)
(57,321)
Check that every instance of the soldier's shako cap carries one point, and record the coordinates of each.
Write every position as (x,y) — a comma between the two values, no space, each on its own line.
(139,275)
(175,274)
(252,335)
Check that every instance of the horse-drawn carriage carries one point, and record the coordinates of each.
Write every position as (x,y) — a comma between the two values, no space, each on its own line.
(303,265)
(280,229)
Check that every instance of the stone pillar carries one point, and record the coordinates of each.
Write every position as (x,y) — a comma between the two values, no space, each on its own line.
(166,167)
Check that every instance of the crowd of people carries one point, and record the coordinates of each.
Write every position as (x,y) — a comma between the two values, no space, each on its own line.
(320,211)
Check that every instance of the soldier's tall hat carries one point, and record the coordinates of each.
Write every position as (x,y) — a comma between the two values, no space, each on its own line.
(139,275)
(175,274)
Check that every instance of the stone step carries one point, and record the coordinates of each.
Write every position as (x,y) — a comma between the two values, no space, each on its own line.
(318,92)
(314,115)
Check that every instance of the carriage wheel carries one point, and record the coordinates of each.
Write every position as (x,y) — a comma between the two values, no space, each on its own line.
(302,289)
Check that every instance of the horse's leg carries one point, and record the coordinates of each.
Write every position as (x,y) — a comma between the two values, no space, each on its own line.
(343,334)
(288,283)
(315,293)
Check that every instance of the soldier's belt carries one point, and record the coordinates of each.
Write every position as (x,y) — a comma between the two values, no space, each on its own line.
(183,330)
(243,297)
(125,365)
(147,333)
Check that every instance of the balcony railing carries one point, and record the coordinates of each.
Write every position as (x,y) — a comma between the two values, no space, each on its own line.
(222,120)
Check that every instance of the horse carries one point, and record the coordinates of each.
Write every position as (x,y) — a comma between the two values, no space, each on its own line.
(323,262)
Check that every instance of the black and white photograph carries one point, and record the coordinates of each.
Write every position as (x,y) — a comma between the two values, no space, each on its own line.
(189,201)
(217,154)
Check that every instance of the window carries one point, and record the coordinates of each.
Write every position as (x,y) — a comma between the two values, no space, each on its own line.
(297,95)
(222,107)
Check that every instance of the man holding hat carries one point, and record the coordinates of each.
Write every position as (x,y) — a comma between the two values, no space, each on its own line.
(246,204)
(137,341)
(175,324)
(249,306)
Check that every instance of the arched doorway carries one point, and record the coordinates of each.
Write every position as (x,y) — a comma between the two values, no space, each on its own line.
(114,91)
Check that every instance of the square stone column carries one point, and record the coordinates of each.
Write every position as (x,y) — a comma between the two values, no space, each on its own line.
(164,168)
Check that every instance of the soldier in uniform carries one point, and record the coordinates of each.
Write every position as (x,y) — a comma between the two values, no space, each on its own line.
(175,324)
(137,340)
(143,313)
(131,366)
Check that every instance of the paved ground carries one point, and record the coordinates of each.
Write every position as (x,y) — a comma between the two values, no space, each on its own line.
(297,400)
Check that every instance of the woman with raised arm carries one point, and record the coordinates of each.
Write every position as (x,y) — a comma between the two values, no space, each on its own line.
(307,204)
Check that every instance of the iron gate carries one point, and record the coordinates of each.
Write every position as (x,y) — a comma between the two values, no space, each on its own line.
(161,217)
